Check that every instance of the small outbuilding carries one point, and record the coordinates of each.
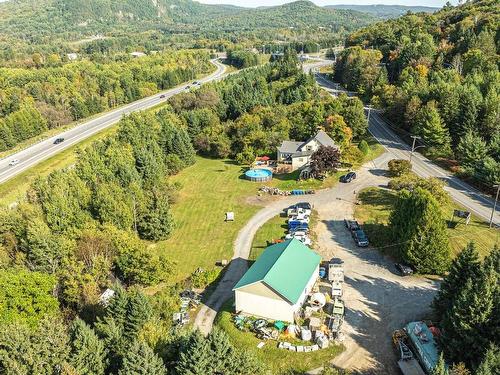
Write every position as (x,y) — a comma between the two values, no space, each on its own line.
(277,284)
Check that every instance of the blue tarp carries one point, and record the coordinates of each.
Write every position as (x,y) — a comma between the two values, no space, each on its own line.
(423,341)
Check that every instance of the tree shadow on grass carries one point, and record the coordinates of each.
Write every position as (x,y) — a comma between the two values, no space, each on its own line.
(378,197)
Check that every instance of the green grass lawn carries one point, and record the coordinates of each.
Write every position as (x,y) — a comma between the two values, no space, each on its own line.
(279,361)
(15,189)
(272,229)
(209,189)
(374,213)
(276,228)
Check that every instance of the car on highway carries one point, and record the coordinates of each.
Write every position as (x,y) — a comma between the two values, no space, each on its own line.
(403,269)
(348,177)
(59,140)
(196,83)
(162,96)
(360,238)
(14,162)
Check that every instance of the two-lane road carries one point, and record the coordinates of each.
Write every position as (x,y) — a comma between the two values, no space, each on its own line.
(463,193)
(46,148)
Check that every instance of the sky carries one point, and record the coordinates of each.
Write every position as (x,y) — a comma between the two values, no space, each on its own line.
(256,3)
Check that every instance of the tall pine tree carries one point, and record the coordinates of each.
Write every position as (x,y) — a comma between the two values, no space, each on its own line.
(465,326)
(196,357)
(490,365)
(419,229)
(141,360)
(88,355)
(464,267)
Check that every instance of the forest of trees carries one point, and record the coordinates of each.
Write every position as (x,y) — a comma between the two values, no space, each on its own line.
(89,227)
(468,306)
(249,114)
(52,93)
(63,26)
(437,76)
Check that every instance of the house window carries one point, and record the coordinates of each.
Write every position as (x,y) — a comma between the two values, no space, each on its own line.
(309,148)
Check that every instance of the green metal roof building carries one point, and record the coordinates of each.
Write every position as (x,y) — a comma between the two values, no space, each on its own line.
(276,285)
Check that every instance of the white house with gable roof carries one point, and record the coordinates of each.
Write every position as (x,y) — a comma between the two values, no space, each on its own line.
(298,154)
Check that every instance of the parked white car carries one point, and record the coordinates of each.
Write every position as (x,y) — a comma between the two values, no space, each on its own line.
(14,162)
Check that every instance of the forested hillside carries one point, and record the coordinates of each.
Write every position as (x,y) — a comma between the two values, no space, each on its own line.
(52,93)
(62,26)
(384,11)
(437,77)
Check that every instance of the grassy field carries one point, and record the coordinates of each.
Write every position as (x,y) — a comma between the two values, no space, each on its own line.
(15,189)
(279,361)
(377,204)
(273,229)
(209,189)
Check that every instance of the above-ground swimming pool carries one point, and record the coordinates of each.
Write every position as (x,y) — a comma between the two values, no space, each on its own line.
(259,175)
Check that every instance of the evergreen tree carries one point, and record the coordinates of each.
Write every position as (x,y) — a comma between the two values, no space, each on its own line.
(196,358)
(465,326)
(490,365)
(88,355)
(139,311)
(471,150)
(27,351)
(156,223)
(440,368)
(492,263)
(429,126)
(464,267)
(459,369)
(117,308)
(419,228)
(222,351)
(141,360)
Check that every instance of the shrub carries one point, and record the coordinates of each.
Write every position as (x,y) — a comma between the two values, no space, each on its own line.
(411,181)
(364,148)
(202,278)
(399,167)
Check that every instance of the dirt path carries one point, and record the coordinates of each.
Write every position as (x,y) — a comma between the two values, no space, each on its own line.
(377,300)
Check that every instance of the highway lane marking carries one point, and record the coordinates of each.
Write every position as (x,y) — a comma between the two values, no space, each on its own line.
(96,125)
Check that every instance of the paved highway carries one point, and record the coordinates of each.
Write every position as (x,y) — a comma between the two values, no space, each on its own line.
(463,193)
(46,148)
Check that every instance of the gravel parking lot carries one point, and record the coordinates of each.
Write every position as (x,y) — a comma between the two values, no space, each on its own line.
(378,301)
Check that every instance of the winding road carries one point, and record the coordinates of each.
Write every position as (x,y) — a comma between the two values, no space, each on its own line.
(466,195)
(42,150)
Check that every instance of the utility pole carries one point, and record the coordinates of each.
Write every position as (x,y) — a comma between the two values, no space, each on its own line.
(494,205)
(413,148)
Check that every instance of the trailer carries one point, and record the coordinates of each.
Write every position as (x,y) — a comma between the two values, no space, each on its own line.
(421,340)
(407,362)
(335,273)
(410,367)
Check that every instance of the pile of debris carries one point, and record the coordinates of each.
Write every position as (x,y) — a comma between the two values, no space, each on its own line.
(276,191)
(261,327)
(190,300)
